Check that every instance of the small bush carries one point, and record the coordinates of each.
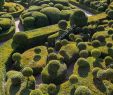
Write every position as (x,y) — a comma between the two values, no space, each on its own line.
(110,32)
(84,53)
(64,42)
(96,53)
(52,89)
(16,80)
(50,50)
(72,37)
(109,44)
(62,24)
(82,62)
(73,79)
(96,43)
(37,57)
(82,90)
(37,50)
(101,74)
(59,6)
(95,71)
(27,71)
(81,46)
(110,90)
(36,92)
(52,13)
(58,45)
(108,60)
(78,18)
(16,57)
(41,19)
(78,40)
(20,41)
(52,56)
(110,14)
(29,22)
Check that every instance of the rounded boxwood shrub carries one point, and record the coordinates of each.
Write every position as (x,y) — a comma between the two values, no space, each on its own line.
(16,79)
(82,62)
(110,14)
(41,19)
(26,14)
(110,31)
(81,46)
(50,50)
(109,44)
(54,72)
(59,6)
(28,22)
(36,92)
(52,56)
(27,71)
(95,71)
(73,79)
(52,13)
(37,50)
(20,41)
(109,74)
(101,74)
(64,42)
(62,24)
(37,57)
(82,90)
(96,53)
(78,18)
(78,40)
(58,45)
(72,37)
(51,4)
(108,60)
(84,53)
(96,43)
(101,38)
(52,89)
(16,57)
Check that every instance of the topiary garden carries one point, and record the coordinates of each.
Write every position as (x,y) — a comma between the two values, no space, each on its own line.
(63,50)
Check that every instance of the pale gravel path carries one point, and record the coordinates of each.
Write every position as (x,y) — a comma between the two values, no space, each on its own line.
(18,25)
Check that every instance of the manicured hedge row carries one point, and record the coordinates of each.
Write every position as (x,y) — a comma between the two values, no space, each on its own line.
(17,13)
(5,53)
(7,35)
(83,7)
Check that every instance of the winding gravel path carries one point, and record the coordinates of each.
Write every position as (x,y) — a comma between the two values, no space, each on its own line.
(18,25)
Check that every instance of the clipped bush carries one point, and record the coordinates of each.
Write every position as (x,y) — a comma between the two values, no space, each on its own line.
(108,60)
(81,46)
(72,37)
(52,13)
(52,89)
(109,44)
(52,56)
(62,24)
(73,79)
(41,19)
(78,40)
(16,57)
(27,71)
(37,57)
(20,41)
(96,43)
(78,18)
(36,92)
(58,45)
(28,22)
(95,71)
(82,62)
(84,53)
(64,42)
(59,6)
(37,50)
(101,38)
(110,14)
(82,90)
(50,50)
(110,31)
(96,53)
(101,74)
(16,80)
(54,72)
(110,90)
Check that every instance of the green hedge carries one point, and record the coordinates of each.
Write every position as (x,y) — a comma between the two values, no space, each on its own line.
(74,2)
